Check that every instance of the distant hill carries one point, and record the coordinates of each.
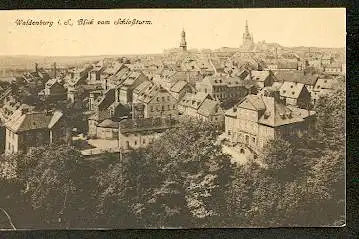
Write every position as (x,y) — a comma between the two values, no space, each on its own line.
(28,62)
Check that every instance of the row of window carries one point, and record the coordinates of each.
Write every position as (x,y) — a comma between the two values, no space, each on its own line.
(163,98)
(135,143)
(162,108)
(248,139)
(10,134)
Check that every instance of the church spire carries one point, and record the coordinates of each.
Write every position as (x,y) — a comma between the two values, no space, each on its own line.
(183,43)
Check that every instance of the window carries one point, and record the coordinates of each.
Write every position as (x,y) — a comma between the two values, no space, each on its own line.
(135,142)
(143,141)
(253,139)
(168,98)
(163,108)
(158,99)
(9,146)
(205,90)
(229,132)
(242,151)
(163,98)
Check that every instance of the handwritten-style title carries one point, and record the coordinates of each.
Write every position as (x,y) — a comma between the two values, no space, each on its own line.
(81,22)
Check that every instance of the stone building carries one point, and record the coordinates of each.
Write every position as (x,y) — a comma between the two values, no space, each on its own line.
(225,88)
(258,119)
(54,90)
(139,133)
(201,105)
(296,94)
(156,101)
(32,129)
(248,41)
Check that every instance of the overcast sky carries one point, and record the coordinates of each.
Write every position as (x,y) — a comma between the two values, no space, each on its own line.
(205,28)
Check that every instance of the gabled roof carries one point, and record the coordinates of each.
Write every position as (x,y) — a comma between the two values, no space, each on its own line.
(291,89)
(296,76)
(178,86)
(252,102)
(210,108)
(107,123)
(277,114)
(260,76)
(270,111)
(113,68)
(193,100)
(149,92)
(325,84)
(33,120)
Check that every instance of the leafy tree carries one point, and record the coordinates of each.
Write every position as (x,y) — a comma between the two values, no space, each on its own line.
(176,182)
(56,183)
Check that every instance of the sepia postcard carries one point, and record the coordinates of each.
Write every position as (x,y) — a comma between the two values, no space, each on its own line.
(172,118)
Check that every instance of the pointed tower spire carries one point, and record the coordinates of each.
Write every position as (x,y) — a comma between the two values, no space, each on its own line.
(183,43)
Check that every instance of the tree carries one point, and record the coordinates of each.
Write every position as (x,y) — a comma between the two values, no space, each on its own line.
(55,181)
(178,181)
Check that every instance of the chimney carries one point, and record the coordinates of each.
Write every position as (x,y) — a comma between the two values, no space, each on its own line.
(54,69)
(24,110)
(36,67)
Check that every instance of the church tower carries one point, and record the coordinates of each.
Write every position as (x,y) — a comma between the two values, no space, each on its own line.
(247,38)
(183,43)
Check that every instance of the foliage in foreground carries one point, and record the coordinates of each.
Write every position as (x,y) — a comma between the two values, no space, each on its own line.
(183,180)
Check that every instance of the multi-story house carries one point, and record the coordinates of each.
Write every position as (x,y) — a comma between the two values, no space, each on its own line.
(157,101)
(263,78)
(31,129)
(333,68)
(139,133)
(225,88)
(294,93)
(94,75)
(258,119)
(308,80)
(105,107)
(178,88)
(54,90)
(323,86)
(201,105)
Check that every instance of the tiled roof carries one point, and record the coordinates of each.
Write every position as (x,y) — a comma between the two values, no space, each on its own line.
(252,101)
(287,64)
(296,76)
(260,76)
(178,86)
(33,120)
(303,113)
(325,84)
(193,100)
(291,89)
(113,68)
(271,112)
(150,91)
(210,108)
(145,124)
(107,123)
(277,114)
